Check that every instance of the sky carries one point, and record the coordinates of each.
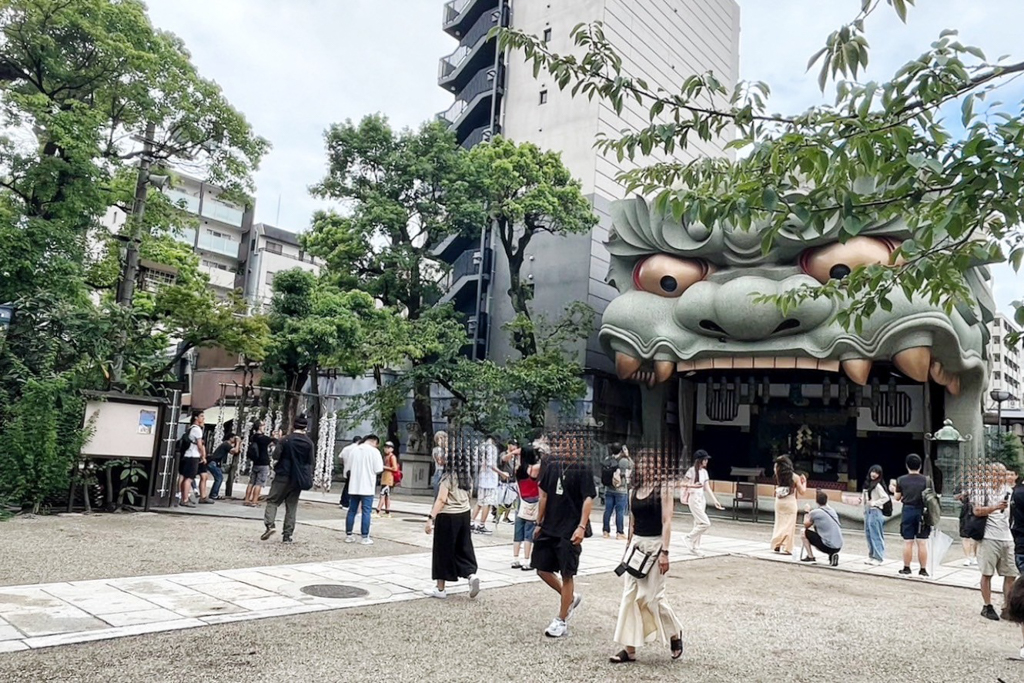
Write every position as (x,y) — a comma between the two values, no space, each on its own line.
(295,67)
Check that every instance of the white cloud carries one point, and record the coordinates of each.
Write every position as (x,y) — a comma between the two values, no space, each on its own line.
(296,67)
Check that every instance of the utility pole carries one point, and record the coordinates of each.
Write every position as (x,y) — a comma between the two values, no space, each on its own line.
(130,273)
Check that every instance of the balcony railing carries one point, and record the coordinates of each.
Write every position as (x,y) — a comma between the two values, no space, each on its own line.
(218,245)
(468,45)
(483,82)
(179,199)
(482,134)
(454,8)
(467,264)
(222,212)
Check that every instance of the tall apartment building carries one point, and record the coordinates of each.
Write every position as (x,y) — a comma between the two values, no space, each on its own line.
(662,42)
(1007,372)
(220,234)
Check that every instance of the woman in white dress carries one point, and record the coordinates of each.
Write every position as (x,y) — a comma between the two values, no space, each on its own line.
(644,613)
(695,493)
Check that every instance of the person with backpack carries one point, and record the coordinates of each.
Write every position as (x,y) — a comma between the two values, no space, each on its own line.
(910,489)
(388,478)
(695,492)
(192,450)
(877,506)
(293,474)
(259,455)
(996,549)
(615,472)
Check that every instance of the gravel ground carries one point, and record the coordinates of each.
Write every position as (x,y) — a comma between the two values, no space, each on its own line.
(43,549)
(744,620)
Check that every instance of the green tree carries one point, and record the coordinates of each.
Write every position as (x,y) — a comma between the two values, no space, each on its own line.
(527,192)
(313,326)
(406,192)
(79,82)
(928,145)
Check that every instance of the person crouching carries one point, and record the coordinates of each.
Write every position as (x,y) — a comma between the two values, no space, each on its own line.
(822,531)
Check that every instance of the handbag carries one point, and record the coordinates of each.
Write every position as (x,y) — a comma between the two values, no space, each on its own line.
(932,508)
(971,526)
(637,563)
(508,495)
(782,491)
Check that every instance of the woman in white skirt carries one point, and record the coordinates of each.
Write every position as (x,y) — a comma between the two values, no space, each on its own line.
(695,493)
(644,614)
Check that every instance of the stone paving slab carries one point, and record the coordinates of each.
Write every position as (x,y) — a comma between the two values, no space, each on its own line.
(48,615)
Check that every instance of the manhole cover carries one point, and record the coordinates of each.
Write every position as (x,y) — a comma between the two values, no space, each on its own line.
(333,590)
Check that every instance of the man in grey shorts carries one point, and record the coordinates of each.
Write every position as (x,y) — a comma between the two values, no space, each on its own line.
(995,551)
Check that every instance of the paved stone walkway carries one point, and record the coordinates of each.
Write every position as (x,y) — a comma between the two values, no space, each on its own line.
(46,615)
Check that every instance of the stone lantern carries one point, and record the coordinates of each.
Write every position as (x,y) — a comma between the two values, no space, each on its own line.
(950,459)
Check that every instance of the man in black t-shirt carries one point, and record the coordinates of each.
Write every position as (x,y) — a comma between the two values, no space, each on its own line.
(567,495)
(294,451)
(259,453)
(913,524)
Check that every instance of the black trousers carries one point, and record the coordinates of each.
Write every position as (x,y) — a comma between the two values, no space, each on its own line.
(344,495)
(454,557)
(816,541)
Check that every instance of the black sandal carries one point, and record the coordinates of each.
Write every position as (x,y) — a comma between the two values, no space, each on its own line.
(677,646)
(621,658)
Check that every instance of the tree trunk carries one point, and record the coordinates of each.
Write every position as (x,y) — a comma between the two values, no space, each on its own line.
(525,342)
(313,430)
(423,410)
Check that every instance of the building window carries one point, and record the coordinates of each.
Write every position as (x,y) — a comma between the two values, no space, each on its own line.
(543,96)
(997,358)
(996,376)
(547,35)
(270,279)
(274,247)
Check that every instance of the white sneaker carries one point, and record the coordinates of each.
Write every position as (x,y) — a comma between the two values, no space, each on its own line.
(557,629)
(877,563)
(367,541)
(688,544)
(967,562)
(435,593)
(350,538)
(576,600)
(474,586)
(974,562)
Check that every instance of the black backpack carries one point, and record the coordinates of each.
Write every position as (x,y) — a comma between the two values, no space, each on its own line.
(608,469)
(183,443)
(887,507)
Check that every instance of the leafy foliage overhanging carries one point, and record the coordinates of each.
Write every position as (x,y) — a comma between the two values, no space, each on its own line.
(930,146)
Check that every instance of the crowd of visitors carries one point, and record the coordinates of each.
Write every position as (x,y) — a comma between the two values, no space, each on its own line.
(550,490)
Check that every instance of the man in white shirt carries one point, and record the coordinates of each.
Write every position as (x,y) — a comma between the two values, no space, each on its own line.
(995,551)
(361,466)
(188,468)
(346,452)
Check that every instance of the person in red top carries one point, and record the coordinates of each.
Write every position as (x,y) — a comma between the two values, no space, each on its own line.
(527,471)
(387,479)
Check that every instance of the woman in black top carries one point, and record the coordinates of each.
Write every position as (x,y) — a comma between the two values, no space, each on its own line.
(644,614)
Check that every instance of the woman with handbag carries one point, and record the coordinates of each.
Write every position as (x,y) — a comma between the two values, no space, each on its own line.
(527,471)
(644,613)
(695,492)
(449,522)
(875,498)
(788,487)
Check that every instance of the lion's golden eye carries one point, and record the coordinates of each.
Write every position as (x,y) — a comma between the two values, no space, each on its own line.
(836,261)
(668,276)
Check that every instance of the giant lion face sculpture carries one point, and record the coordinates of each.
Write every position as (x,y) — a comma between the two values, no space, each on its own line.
(687,302)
